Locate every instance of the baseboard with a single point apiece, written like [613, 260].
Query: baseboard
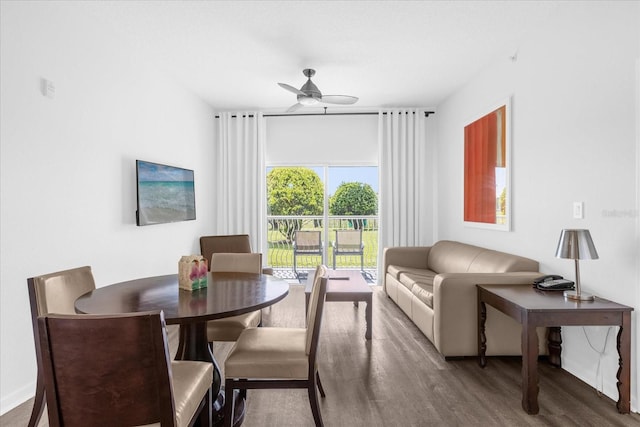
[586, 375]
[17, 398]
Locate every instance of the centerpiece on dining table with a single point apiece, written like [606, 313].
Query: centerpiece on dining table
[192, 272]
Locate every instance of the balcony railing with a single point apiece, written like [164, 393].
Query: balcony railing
[281, 231]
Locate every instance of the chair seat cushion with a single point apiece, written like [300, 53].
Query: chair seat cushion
[230, 328]
[191, 381]
[269, 353]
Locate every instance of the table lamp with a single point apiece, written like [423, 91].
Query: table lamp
[576, 245]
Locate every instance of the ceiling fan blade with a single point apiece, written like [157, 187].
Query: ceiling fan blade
[292, 89]
[294, 107]
[339, 99]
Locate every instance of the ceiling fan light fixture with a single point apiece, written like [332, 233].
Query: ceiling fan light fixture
[307, 100]
[309, 94]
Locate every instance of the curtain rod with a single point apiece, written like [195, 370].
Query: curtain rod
[367, 113]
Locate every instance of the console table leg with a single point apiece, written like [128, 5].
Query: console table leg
[529, 368]
[624, 368]
[482, 338]
[555, 346]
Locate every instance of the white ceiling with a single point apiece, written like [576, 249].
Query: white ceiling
[388, 53]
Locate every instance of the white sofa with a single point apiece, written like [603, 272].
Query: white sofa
[436, 287]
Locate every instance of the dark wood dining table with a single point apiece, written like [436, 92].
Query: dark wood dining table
[227, 294]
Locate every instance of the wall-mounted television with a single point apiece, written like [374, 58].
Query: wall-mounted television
[165, 194]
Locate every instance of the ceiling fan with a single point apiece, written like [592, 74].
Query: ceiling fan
[309, 94]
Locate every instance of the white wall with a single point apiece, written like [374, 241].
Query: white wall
[575, 121]
[68, 164]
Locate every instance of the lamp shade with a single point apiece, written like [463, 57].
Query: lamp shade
[576, 244]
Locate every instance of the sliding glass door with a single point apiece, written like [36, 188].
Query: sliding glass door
[316, 211]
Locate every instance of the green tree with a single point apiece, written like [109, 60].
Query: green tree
[354, 198]
[293, 191]
[502, 204]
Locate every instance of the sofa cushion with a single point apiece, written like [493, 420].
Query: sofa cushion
[489, 261]
[452, 257]
[424, 292]
[415, 275]
[395, 270]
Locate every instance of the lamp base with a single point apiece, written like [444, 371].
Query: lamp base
[573, 295]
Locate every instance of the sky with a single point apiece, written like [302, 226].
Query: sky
[339, 174]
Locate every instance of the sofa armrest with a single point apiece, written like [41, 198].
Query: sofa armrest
[407, 256]
[455, 305]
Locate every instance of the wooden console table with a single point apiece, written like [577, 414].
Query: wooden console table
[533, 308]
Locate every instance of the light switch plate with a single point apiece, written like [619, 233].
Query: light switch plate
[48, 88]
[578, 210]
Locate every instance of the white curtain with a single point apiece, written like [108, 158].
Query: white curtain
[240, 176]
[406, 180]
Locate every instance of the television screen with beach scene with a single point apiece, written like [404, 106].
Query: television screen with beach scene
[165, 194]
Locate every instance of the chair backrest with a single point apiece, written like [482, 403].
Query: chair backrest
[235, 243]
[56, 293]
[308, 240]
[349, 240]
[236, 262]
[107, 369]
[316, 308]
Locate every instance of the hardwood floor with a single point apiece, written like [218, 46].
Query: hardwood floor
[399, 379]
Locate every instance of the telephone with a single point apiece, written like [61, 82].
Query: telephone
[553, 282]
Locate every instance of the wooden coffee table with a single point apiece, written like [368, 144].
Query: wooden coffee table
[346, 285]
[533, 308]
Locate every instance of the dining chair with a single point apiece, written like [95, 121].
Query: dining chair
[306, 243]
[348, 242]
[106, 370]
[275, 358]
[229, 328]
[53, 293]
[232, 243]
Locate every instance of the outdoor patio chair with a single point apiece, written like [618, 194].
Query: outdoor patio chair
[348, 242]
[307, 243]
